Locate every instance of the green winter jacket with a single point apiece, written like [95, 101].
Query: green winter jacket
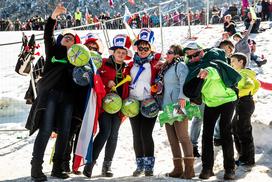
[214, 91]
[215, 58]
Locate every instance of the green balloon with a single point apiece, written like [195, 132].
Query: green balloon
[78, 55]
[112, 103]
[130, 107]
[96, 58]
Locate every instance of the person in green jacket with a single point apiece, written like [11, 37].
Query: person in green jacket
[241, 123]
[219, 96]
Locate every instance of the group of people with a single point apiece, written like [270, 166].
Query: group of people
[140, 20]
[34, 23]
[216, 79]
[243, 43]
[263, 9]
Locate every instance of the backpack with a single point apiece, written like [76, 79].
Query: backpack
[26, 56]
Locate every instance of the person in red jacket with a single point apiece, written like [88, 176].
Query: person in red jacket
[143, 73]
[145, 20]
[112, 71]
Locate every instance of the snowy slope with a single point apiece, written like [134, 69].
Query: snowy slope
[16, 147]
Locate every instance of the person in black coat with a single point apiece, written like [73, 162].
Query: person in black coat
[55, 105]
[265, 10]
[229, 25]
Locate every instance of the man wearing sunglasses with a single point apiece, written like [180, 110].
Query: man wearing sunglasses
[193, 52]
[53, 108]
[216, 83]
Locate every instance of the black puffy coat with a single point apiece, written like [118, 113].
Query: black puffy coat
[56, 76]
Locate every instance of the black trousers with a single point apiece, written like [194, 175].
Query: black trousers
[57, 117]
[211, 114]
[73, 138]
[142, 129]
[242, 129]
[78, 23]
[109, 125]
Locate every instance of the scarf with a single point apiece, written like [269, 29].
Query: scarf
[141, 61]
[165, 67]
[159, 80]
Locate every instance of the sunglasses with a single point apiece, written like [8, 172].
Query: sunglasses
[92, 48]
[146, 49]
[193, 55]
[170, 52]
[70, 38]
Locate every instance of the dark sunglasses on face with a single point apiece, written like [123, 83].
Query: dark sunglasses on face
[146, 49]
[170, 52]
[193, 55]
[70, 38]
[92, 48]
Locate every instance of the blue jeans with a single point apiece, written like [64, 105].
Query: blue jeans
[57, 117]
[196, 127]
[195, 130]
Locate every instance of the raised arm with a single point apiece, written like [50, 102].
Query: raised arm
[49, 39]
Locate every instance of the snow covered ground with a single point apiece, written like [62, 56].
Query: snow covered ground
[16, 147]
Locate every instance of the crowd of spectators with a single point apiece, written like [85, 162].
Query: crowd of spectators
[263, 10]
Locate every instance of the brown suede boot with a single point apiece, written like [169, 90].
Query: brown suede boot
[189, 171]
[177, 172]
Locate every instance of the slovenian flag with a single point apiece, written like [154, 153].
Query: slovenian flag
[127, 15]
[126, 18]
[88, 129]
[87, 16]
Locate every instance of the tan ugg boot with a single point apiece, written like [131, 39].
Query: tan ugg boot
[189, 171]
[177, 172]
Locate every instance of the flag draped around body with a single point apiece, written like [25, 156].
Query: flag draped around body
[86, 133]
[88, 129]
